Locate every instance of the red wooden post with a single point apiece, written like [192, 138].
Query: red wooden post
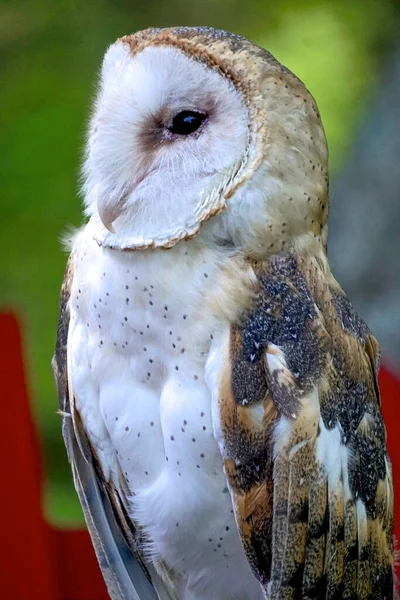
[390, 391]
[78, 572]
[26, 565]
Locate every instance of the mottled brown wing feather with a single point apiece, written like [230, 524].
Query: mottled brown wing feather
[298, 384]
[111, 530]
[59, 362]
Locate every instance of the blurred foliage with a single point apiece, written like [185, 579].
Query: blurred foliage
[50, 52]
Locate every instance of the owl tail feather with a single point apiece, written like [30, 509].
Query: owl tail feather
[125, 575]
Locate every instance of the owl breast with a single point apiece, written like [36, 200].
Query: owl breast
[137, 349]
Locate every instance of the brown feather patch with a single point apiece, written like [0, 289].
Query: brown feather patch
[299, 361]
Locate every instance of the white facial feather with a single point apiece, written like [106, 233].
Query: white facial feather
[150, 186]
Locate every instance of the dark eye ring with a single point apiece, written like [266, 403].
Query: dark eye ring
[187, 122]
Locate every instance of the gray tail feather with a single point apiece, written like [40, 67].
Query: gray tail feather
[124, 575]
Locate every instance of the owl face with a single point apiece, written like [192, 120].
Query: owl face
[167, 137]
[190, 121]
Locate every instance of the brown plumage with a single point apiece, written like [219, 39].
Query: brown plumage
[301, 356]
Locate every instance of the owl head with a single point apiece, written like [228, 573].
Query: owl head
[196, 130]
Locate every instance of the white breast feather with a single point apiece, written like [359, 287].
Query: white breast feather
[138, 354]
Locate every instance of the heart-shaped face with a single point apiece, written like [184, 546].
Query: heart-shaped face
[168, 137]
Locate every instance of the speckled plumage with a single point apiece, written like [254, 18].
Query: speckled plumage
[298, 512]
[220, 398]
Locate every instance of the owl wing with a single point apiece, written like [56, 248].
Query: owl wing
[104, 507]
[298, 419]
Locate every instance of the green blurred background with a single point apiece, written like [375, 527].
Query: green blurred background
[50, 53]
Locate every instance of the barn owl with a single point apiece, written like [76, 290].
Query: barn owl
[219, 393]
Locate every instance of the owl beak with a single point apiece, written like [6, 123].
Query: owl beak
[107, 216]
[110, 211]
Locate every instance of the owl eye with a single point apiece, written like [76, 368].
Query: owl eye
[187, 122]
